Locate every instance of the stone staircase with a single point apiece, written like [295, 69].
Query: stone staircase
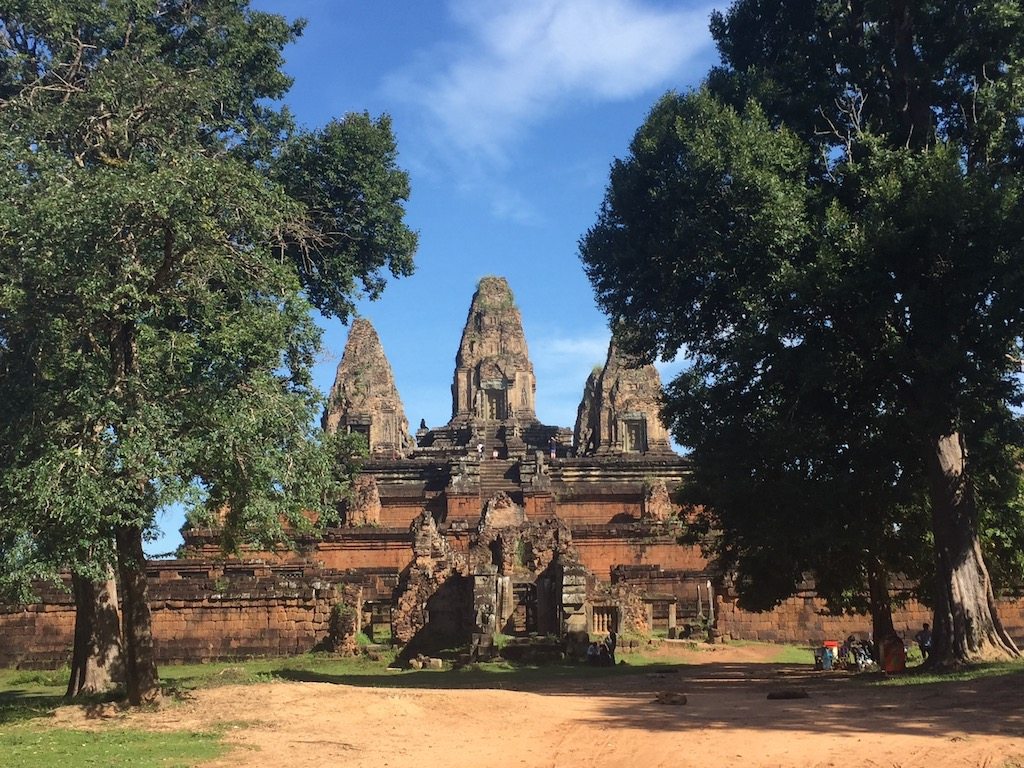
[501, 474]
[493, 440]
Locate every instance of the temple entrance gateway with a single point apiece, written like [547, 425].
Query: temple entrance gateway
[634, 436]
[523, 620]
[495, 404]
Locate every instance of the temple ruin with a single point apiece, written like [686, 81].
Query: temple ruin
[494, 523]
[490, 525]
[364, 399]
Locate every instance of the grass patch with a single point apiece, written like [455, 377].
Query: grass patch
[27, 695]
[794, 654]
[34, 747]
[963, 674]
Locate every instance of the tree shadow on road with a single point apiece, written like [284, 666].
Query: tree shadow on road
[736, 696]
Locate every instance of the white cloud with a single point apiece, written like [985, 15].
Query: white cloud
[556, 349]
[561, 364]
[522, 60]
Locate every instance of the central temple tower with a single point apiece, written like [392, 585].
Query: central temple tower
[494, 377]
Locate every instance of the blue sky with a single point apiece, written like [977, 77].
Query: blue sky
[508, 114]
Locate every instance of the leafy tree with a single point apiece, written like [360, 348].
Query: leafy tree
[843, 193]
[167, 231]
[784, 489]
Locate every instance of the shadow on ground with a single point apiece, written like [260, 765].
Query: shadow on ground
[734, 695]
[19, 704]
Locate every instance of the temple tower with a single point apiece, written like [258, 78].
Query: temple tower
[493, 374]
[620, 410]
[364, 398]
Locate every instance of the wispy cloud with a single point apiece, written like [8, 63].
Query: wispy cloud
[561, 364]
[523, 60]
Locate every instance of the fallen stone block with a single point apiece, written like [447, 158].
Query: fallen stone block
[788, 693]
[670, 697]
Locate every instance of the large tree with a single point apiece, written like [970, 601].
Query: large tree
[166, 232]
[845, 189]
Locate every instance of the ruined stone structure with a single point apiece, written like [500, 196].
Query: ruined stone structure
[620, 410]
[493, 523]
[493, 373]
[364, 398]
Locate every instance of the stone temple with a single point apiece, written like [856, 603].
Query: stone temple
[493, 524]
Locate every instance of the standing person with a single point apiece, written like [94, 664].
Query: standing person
[480, 450]
[924, 641]
[554, 447]
[611, 641]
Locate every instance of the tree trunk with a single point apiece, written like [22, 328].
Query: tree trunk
[141, 681]
[96, 662]
[966, 627]
[881, 604]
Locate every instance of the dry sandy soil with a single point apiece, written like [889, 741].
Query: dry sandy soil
[727, 721]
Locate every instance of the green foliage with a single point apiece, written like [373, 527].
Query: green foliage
[167, 231]
[829, 229]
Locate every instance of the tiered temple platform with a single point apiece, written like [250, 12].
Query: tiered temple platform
[492, 523]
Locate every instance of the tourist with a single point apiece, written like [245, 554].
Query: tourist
[924, 641]
[611, 641]
[554, 447]
[480, 450]
[604, 657]
[592, 653]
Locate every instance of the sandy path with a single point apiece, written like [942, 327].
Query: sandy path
[614, 722]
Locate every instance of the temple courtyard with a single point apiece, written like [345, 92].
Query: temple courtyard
[597, 717]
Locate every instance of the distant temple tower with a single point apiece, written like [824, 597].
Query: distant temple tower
[620, 410]
[493, 374]
[364, 398]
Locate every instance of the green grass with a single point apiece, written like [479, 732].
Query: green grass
[28, 699]
[794, 654]
[26, 695]
[364, 672]
[32, 746]
[183, 677]
[963, 674]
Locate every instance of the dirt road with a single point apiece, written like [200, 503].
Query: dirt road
[727, 721]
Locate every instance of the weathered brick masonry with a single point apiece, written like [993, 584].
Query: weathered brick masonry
[802, 619]
[201, 611]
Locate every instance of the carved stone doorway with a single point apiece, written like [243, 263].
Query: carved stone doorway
[523, 620]
[634, 438]
[495, 404]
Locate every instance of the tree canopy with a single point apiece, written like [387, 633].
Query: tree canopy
[829, 227]
[168, 229]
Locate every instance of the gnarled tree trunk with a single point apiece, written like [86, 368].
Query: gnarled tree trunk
[966, 626]
[881, 604]
[141, 681]
[96, 661]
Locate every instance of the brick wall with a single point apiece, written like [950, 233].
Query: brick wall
[801, 619]
[603, 547]
[200, 612]
[40, 635]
